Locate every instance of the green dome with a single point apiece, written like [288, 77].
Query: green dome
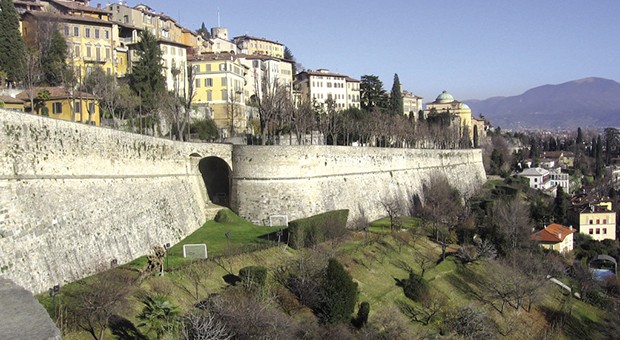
[465, 107]
[444, 97]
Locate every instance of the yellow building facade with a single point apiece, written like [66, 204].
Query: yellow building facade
[254, 45]
[56, 102]
[598, 221]
[445, 103]
[218, 85]
[90, 42]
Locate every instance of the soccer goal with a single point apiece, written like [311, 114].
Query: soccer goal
[195, 251]
[278, 221]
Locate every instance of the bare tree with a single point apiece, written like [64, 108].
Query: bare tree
[98, 298]
[202, 325]
[512, 218]
[33, 74]
[394, 208]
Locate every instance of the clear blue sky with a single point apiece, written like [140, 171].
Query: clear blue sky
[474, 49]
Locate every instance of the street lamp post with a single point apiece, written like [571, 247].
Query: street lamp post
[166, 247]
[53, 292]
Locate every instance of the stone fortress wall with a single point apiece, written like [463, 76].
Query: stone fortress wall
[301, 182]
[74, 197]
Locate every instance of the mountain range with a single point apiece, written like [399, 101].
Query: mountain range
[589, 102]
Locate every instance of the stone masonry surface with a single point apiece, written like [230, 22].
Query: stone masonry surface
[74, 197]
[303, 181]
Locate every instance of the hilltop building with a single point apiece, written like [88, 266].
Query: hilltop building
[171, 38]
[446, 104]
[90, 36]
[219, 90]
[322, 85]
[412, 105]
[261, 46]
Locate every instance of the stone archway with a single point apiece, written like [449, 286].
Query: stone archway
[216, 176]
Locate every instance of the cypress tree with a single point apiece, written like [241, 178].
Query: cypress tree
[340, 292]
[12, 47]
[396, 97]
[146, 78]
[53, 60]
[560, 207]
[600, 165]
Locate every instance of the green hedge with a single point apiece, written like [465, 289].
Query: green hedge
[309, 231]
[253, 276]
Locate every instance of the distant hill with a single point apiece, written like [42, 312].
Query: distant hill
[589, 102]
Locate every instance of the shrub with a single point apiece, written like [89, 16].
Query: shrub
[227, 216]
[415, 287]
[309, 231]
[340, 294]
[362, 315]
[253, 277]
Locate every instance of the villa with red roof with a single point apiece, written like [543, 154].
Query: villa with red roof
[555, 237]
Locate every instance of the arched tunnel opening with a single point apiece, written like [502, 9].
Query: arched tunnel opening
[216, 175]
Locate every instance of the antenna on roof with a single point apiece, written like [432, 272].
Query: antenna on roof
[218, 17]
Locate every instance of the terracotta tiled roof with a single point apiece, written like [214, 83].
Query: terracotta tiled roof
[69, 18]
[79, 7]
[57, 92]
[247, 37]
[11, 100]
[553, 233]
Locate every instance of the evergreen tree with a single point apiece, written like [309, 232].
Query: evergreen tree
[579, 137]
[288, 55]
[53, 59]
[12, 47]
[146, 78]
[204, 32]
[560, 207]
[600, 165]
[476, 136]
[340, 293]
[372, 94]
[396, 97]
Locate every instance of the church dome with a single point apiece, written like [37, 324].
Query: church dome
[465, 107]
[444, 97]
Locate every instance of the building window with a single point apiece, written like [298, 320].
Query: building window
[87, 32]
[209, 82]
[76, 31]
[224, 81]
[91, 107]
[598, 231]
[76, 50]
[598, 221]
[604, 231]
[224, 95]
[67, 30]
[96, 33]
[590, 222]
[88, 52]
[77, 105]
[209, 95]
[197, 83]
[604, 221]
[106, 34]
[57, 108]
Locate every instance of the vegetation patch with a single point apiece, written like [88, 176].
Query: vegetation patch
[309, 231]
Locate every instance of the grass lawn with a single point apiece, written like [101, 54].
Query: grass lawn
[244, 236]
[383, 225]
